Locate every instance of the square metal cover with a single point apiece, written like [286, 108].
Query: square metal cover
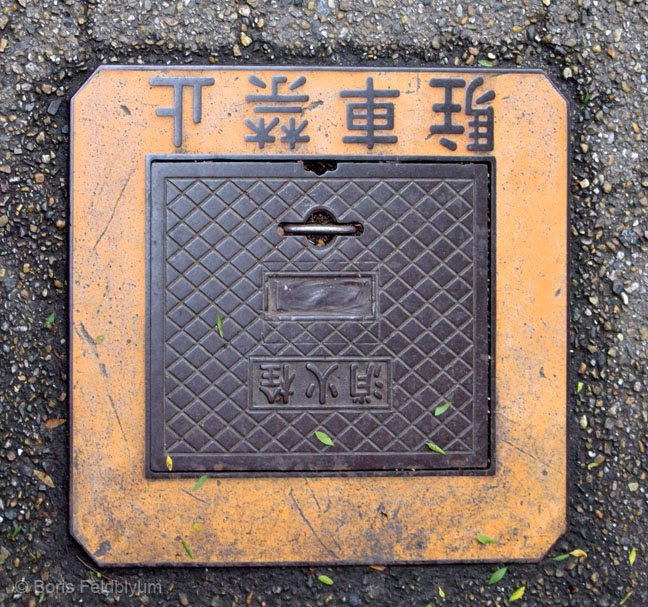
[260, 335]
[447, 281]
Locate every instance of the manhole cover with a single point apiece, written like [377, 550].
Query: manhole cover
[279, 277]
[282, 302]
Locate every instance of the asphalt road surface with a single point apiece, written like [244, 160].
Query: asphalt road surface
[593, 49]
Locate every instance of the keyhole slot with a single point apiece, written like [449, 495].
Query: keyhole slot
[320, 228]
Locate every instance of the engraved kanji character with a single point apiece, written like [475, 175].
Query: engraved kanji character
[276, 382]
[370, 116]
[366, 385]
[447, 108]
[323, 382]
[261, 131]
[179, 83]
[482, 123]
[277, 103]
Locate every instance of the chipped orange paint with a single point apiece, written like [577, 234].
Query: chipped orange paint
[121, 517]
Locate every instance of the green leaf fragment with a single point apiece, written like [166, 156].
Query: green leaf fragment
[324, 438]
[42, 597]
[485, 63]
[579, 386]
[50, 320]
[441, 409]
[497, 576]
[16, 531]
[598, 460]
[325, 579]
[625, 598]
[219, 324]
[484, 539]
[561, 557]
[99, 338]
[434, 447]
[195, 527]
[187, 549]
[200, 482]
[517, 594]
[586, 97]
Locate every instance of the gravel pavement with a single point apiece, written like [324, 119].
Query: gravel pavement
[596, 52]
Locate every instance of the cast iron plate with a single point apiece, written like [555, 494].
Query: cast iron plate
[361, 338]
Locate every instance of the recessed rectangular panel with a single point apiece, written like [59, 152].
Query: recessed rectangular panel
[259, 339]
[328, 296]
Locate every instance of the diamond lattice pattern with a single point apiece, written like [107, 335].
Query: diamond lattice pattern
[221, 236]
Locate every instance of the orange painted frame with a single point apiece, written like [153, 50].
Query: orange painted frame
[123, 518]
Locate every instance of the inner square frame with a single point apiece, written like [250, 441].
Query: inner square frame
[292, 520]
[479, 460]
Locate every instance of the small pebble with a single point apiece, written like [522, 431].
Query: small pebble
[53, 107]
[4, 555]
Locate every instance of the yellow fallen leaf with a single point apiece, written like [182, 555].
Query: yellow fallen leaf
[46, 479]
[578, 553]
[632, 556]
[169, 463]
[377, 567]
[441, 593]
[517, 594]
